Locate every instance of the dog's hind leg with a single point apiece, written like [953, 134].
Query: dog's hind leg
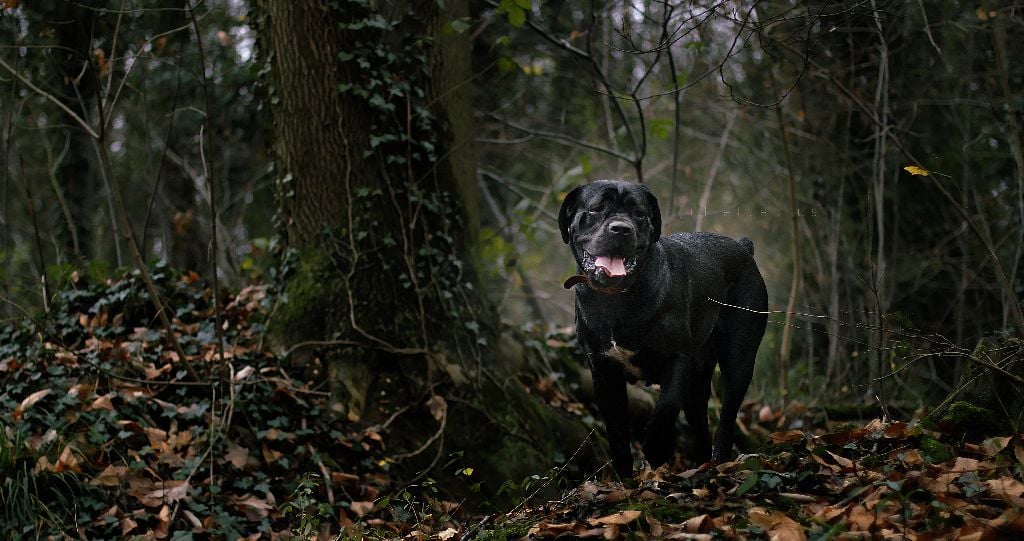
[734, 386]
[737, 336]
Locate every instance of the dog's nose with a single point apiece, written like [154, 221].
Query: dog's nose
[619, 227]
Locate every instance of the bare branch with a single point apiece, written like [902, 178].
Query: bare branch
[78, 120]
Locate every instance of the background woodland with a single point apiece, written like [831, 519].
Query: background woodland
[356, 202]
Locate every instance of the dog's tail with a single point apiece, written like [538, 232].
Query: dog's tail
[748, 244]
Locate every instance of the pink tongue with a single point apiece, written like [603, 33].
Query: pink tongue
[614, 266]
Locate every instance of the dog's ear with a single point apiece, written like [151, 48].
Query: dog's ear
[567, 211]
[652, 203]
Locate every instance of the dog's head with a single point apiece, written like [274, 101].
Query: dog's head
[610, 225]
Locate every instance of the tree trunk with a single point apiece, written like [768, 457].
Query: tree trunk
[377, 204]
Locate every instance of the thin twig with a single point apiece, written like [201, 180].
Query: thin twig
[78, 120]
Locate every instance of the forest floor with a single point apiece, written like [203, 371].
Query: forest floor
[104, 433]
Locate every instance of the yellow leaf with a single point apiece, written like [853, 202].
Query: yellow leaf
[916, 170]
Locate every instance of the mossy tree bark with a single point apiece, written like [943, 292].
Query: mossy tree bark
[374, 145]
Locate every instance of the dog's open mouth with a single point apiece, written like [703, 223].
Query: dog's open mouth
[612, 266]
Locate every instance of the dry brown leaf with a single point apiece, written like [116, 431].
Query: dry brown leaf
[1006, 486]
[620, 518]
[67, 461]
[876, 425]
[778, 525]
[156, 437]
[361, 508]
[29, 401]
[438, 406]
[110, 477]
[166, 492]
[270, 456]
[841, 460]
[345, 479]
[697, 524]
[551, 529]
[961, 466]
[237, 455]
[860, 518]
[656, 529]
[254, 508]
[243, 373]
[163, 522]
[912, 457]
[992, 446]
[788, 436]
[897, 429]
[618, 496]
[845, 437]
[192, 519]
[127, 525]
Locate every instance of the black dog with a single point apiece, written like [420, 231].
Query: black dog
[643, 312]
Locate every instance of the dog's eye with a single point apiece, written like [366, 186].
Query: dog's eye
[595, 210]
[638, 214]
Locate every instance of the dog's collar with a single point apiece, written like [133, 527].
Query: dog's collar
[583, 279]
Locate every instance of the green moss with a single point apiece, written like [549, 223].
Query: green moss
[970, 420]
[934, 451]
[506, 531]
[661, 509]
[309, 309]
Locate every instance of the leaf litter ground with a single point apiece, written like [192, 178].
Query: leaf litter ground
[104, 437]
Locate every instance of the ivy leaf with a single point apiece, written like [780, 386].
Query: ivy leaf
[516, 16]
[459, 26]
[748, 484]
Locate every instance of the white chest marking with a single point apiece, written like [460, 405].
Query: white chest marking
[624, 356]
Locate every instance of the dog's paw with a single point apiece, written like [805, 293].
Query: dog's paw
[659, 450]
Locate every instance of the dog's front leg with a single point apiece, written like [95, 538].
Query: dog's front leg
[610, 393]
[660, 440]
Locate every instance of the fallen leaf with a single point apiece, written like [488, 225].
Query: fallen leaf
[620, 518]
[438, 407]
[361, 508]
[243, 373]
[916, 170]
[110, 477]
[447, 534]
[237, 455]
[788, 436]
[1006, 486]
[254, 508]
[778, 525]
[67, 461]
[29, 401]
[127, 525]
[992, 446]
[697, 524]
[168, 492]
